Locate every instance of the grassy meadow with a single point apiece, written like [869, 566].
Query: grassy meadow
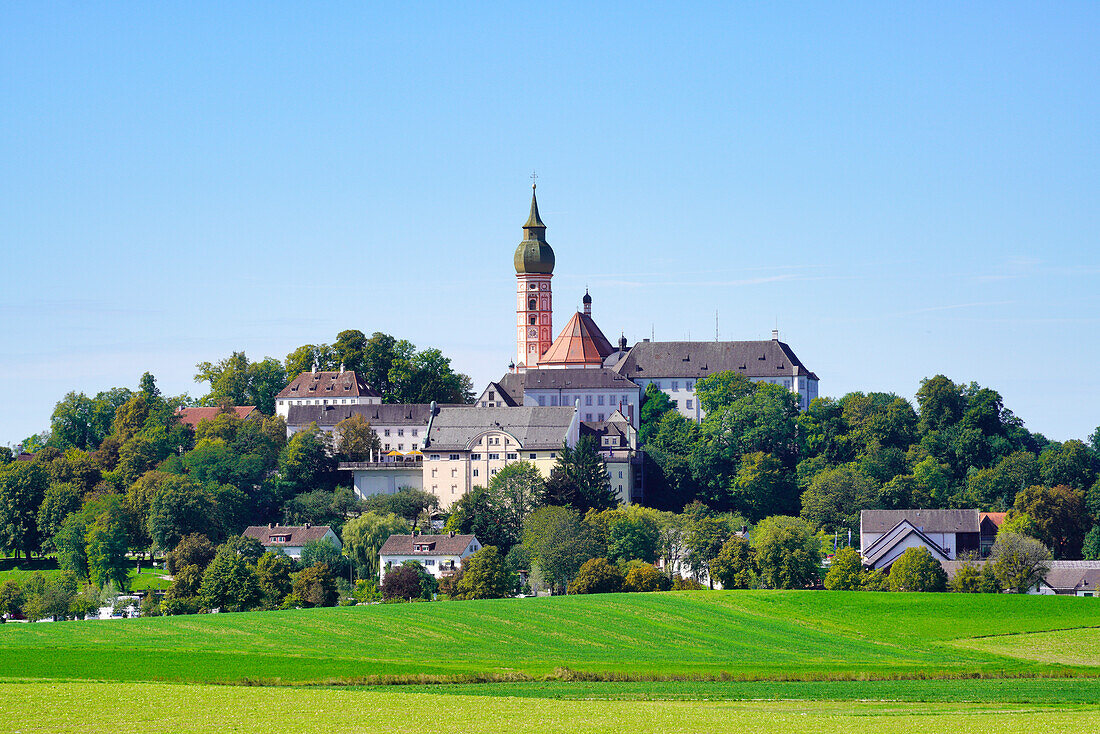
[736, 635]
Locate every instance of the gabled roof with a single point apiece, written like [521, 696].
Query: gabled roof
[333, 384]
[881, 547]
[441, 545]
[508, 389]
[299, 534]
[1069, 576]
[929, 521]
[193, 416]
[382, 414]
[580, 343]
[994, 517]
[771, 358]
[535, 427]
[558, 379]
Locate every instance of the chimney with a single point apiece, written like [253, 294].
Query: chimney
[271, 526]
[341, 368]
[308, 526]
[452, 533]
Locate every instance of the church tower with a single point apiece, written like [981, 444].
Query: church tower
[534, 263]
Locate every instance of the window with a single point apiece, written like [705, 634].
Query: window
[534, 320]
[433, 457]
[588, 416]
[416, 446]
[530, 456]
[599, 400]
[453, 457]
[657, 383]
[675, 386]
[475, 472]
[512, 456]
[542, 400]
[534, 286]
[387, 432]
[454, 488]
[475, 457]
[687, 404]
[786, 383]
[587, 399]
[324, 402]
[620, 477]
[554, 400]
[492, 396]
[553, 454]
[494, 457]
[532, 304]
[433, 472]
[600, 417]
[675, 403]
[625, 400]
[400, 447]
[435, 489]
[454, 473]
[429, 561]
[400, 431]
[492, 472]
[386, 447]
[689, 385]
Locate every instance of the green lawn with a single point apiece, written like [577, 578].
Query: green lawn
[57, 707]
[1070, 647]
[149, 578]
[741, 635]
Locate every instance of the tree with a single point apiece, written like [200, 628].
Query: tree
[655, 404]
[644, 578]
[1059, 517]
[315, 586]
[22, 488]
[426, 376]
[558, 543]
[485, 575]
[238, 381]
[634, 535]
[356, 440]
[322, 550]
[787, 552]
[735, 566]
[194, 549]
[107, 543]
[324, 507]
[273, 572]
[722, 389]
[836, 497]
[970, 578]
[1072, 464]
[58, 501]
[846, 571]
[1091, 548]
[349, 350]
[704, 542]
[307, 462]
[1020, 562]
[762, 420]
[941, 403]
[310, 356]
[364, 536]
[597, 576]
[182, 596]
[762, 486]
[917, 570]
[230, 582]
[579, 478]
[180, 507]
[72, 544]
[49, 598]
[668, 469]
[407, 502]
[72, 423]
[11, 598]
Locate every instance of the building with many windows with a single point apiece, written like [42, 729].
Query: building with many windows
[342, 387]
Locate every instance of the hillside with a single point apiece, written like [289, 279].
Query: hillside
[754, 635]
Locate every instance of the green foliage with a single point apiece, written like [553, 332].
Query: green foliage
[23, 486]
[1091, 548]
[404, 583]
[237, 381]
[1019, 561]
[917, 570]
[194, 549]
[364, 536]
[836, 497]
[705, 537]
[485, 575]
[655, 405]
[178, 507]
[1072, 464]
[941, 403]
[645, 578]
[762, 486]
[315, 586]
[597, 576]
[307, 463]
[322, 550]
[972, 578]
[273, 571]
[414, 505]
[633, 534]
[59, 500]
[11, 598]
[846, 572]
[722, 389]
[495, 514]
[579, 478]
[787, 552]
[106, 551]
[735, 565]
[1058, 517]
[230, 582]
[324, 507]
[356, 440]
[558, 542]
[668, 455]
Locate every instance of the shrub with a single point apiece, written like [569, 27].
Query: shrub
[679, 583]
[917, 570]
[1019, 561]
[597, 576]
[646, 578]
[846, 572]
[874, 580]
[401, 582]
[315, 586]
[787, 552]
[484, 576]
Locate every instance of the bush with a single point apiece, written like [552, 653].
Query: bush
[846, 572]
[917, 570]
[874, 580]
[484, 576]
[646, 578]
[597, 576]
[150, 605]
[315, 586]
[402, 583]
[787, 552]
[1020, 562]
[679, 583]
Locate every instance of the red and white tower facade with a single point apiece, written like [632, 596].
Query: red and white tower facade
[534, 301]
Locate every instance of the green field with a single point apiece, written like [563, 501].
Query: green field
[148, 578]
[732, 635]
[96, 707]
[1073, 647]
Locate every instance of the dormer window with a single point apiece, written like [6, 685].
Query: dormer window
[279, 538]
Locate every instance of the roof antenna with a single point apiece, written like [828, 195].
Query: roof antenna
[652, 338]
[715, 325]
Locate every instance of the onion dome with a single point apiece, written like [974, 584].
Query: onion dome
[534, 254]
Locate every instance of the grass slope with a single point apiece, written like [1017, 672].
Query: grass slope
[57, 707]
[1070, 647]
[755, 635]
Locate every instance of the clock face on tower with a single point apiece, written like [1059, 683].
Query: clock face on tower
[532, 333]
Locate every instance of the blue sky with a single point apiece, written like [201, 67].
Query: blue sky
[905, 190]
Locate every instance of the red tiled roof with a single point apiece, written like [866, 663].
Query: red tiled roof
[580, 343]
[439, 545]
[193, 416]
[994, 517]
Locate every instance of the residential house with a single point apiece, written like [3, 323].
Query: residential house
[193, 416]
[438, 554]
[886, 534]
[617, 442]
[343, 387]
[291, 538]
[599, 392]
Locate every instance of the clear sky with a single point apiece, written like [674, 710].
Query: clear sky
[905, 189]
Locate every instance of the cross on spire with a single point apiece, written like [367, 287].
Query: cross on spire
[533, 177]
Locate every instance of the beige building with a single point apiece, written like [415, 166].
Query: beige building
[466, 446]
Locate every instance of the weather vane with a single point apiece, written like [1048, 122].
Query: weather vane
[533, 177]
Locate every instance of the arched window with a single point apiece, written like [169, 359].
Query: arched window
[532, 305]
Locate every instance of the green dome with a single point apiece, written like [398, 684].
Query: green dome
[534, 254]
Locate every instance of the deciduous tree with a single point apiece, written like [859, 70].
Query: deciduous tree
[917, 570]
